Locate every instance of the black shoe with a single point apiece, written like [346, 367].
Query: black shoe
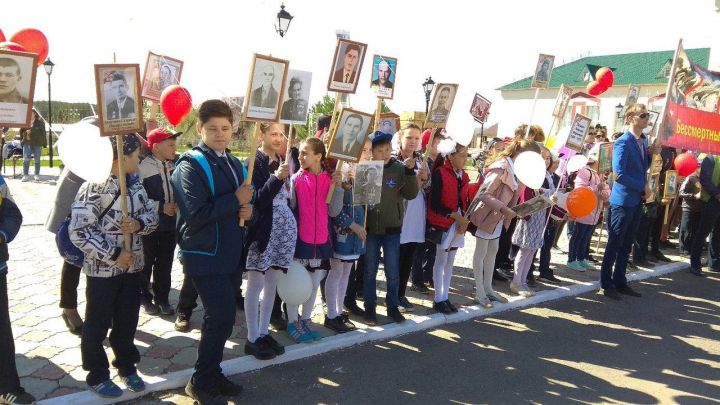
[698, 273]
[593, 260]
[348, 323]
[405, 305]
[335, 324]
[276, 347]
[714, 270]
[18, 397]
[395, 315]
[507, 273]
[628, 291]
[149, 307]
[182, 322]
[531, 281]
[422, 289]
[278, 323]
[166, 309]
[450, 305]
[668, 245]
[612, 294]
[370, 316]
[661, 257]
[260, 349]
[227, 388]
[204, 397]
[74, 329]
[550, 279]
[442, 308]
[499, 277]
[354, 308]
[642, 263]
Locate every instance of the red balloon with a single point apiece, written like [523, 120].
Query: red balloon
[605, 77]
[12, 46]
[2, 37]
[175, 103]
[594, 88]
[34, 41]
[581, 202]
[686, 164]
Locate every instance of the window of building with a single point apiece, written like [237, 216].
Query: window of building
[665, 71]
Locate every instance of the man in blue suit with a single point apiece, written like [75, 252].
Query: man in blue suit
[631, 159]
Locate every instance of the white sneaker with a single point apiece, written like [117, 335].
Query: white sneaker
[37, 177]
[25, 178]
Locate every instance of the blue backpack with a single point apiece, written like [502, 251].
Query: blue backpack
[68, 251]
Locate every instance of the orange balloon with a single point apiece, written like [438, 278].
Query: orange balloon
[581, 202]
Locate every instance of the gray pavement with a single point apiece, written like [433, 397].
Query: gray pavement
[661, 348]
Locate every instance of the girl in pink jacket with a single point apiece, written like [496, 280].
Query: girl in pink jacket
[579, 241]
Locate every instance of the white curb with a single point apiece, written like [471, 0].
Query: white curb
[244, 364]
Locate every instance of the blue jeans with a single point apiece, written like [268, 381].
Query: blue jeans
[35, 151]
[622, 226]
[391, 258]
[579, 242]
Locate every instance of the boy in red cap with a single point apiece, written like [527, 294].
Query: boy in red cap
[159, 246]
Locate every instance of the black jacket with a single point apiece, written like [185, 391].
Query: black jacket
[10, 222]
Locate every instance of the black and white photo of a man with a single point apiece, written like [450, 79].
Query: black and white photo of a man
[123, 106]
[265, 96]
[10, 75]
[346, 141]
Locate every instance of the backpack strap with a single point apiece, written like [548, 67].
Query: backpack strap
[203, 162]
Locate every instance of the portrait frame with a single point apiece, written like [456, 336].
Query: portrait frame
[109, 125]
[152, 90]
[19, 115]
[336, 152]
[652, 123]
[670, 190]
[562, 101]
[255, 108]
[540, 74]
[385, 117]
[388, 92]
[578, 130]
[652, 181]
[629, 99]
[337, 85]
[305, 78]
[365, 193]
[480, 108]
[438, 119]
[605, 157]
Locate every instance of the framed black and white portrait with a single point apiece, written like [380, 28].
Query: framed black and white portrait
[441, 104]
[348, 136]
[346, 66]
[297, 98]
[265, 88]
[368, 182]
[118, 98]
[160, 72]
[17, 85]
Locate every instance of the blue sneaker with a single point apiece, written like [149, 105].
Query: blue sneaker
[107, 389]
[297, 332]
[587, 265]
[576, 266]
[134, 383]
[307, 325]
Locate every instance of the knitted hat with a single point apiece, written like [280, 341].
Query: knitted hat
[129, 144]
[377, 137]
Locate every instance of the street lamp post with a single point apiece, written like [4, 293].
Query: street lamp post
[618, 115]
[48, 65]
[284, 18]
[427, 88]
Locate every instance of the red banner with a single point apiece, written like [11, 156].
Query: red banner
[691, 119]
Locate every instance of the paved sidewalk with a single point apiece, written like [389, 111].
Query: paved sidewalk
[48, 356]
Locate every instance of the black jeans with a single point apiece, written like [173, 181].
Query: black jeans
[408, 253]
[355, 281]
[709, 222]
[422, 271]
[657, 229]
[546, 250]
[688, 226]
[116, 301]
[158, 249]
[189, 295]
[642, 238]
[69, 281]
[217, 293]
[502, 258]
[9, 380]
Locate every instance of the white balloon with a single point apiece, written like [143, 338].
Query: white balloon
[85, 152]
[530, 169]
[576, 163]
[295, 286]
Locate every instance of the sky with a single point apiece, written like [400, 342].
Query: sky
[481, 45]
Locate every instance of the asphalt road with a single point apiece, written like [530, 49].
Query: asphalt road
[661, 348]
